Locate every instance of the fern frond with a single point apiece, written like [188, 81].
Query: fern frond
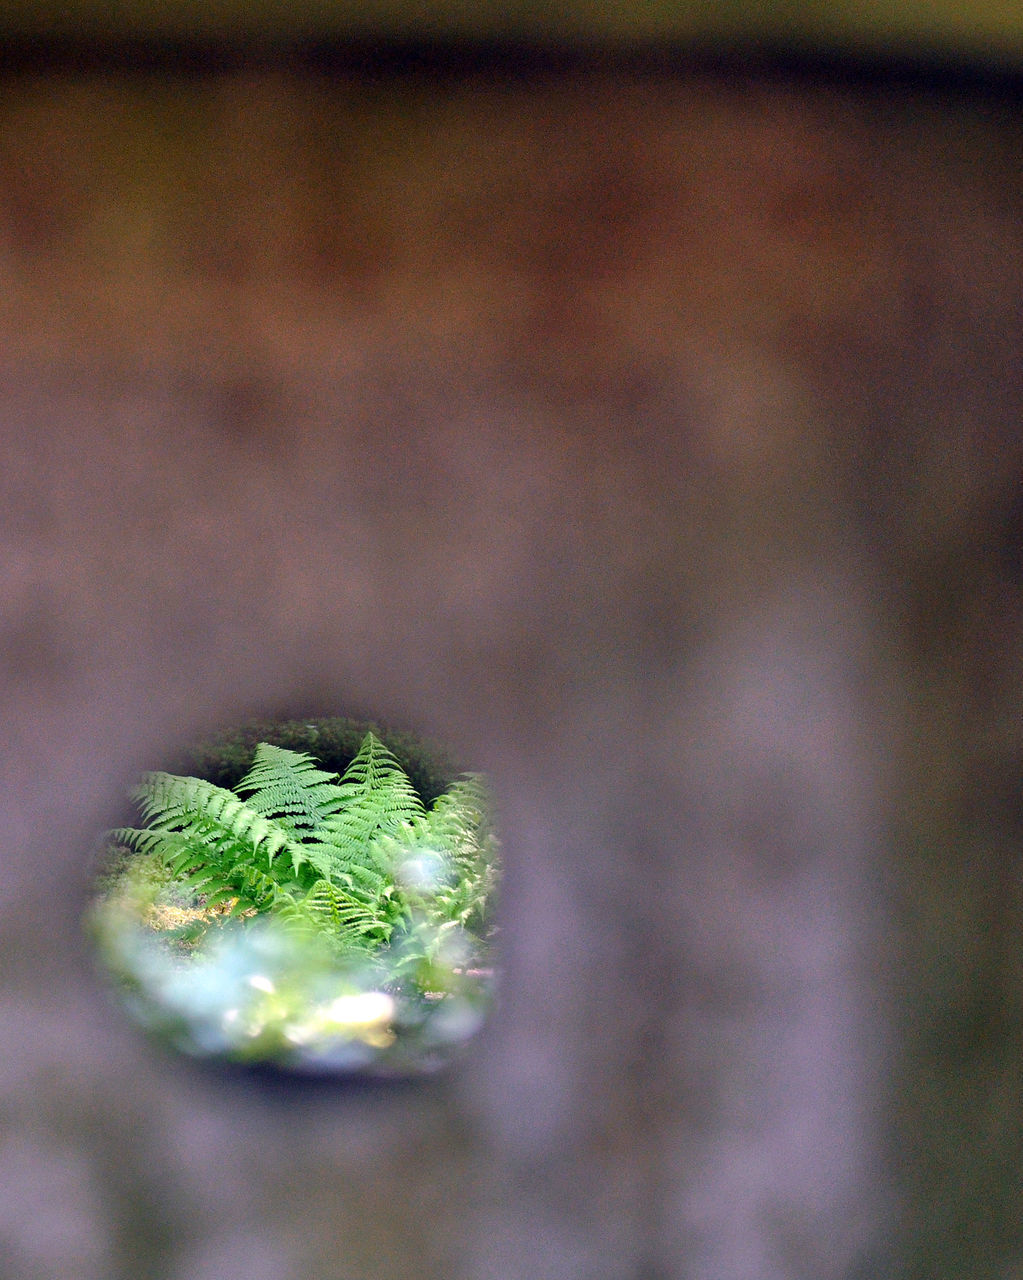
[195, 807]
[288, 786]
[350, 923]
[376, 796]
[454, 855]
[347, 914]
[461, 818]
[213, 841]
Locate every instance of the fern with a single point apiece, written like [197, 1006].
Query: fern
[327, 854]
[287, 785]
[449, 858]
[213, 841]
[354, 923]
[376, 797]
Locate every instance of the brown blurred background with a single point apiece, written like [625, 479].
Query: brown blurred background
[630, 400]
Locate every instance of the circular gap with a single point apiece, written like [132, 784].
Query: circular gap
[310, 896]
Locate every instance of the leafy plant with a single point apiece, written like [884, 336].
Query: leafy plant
[358, 860]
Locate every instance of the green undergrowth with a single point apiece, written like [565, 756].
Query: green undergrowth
[301, 913]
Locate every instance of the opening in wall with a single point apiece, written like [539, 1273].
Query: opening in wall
[312, 896]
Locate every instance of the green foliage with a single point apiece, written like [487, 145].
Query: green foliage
[358, 860]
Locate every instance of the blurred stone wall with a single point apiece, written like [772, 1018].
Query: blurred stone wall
[988, 30]
[655, 443]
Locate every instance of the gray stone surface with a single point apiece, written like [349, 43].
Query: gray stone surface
[654, 444]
